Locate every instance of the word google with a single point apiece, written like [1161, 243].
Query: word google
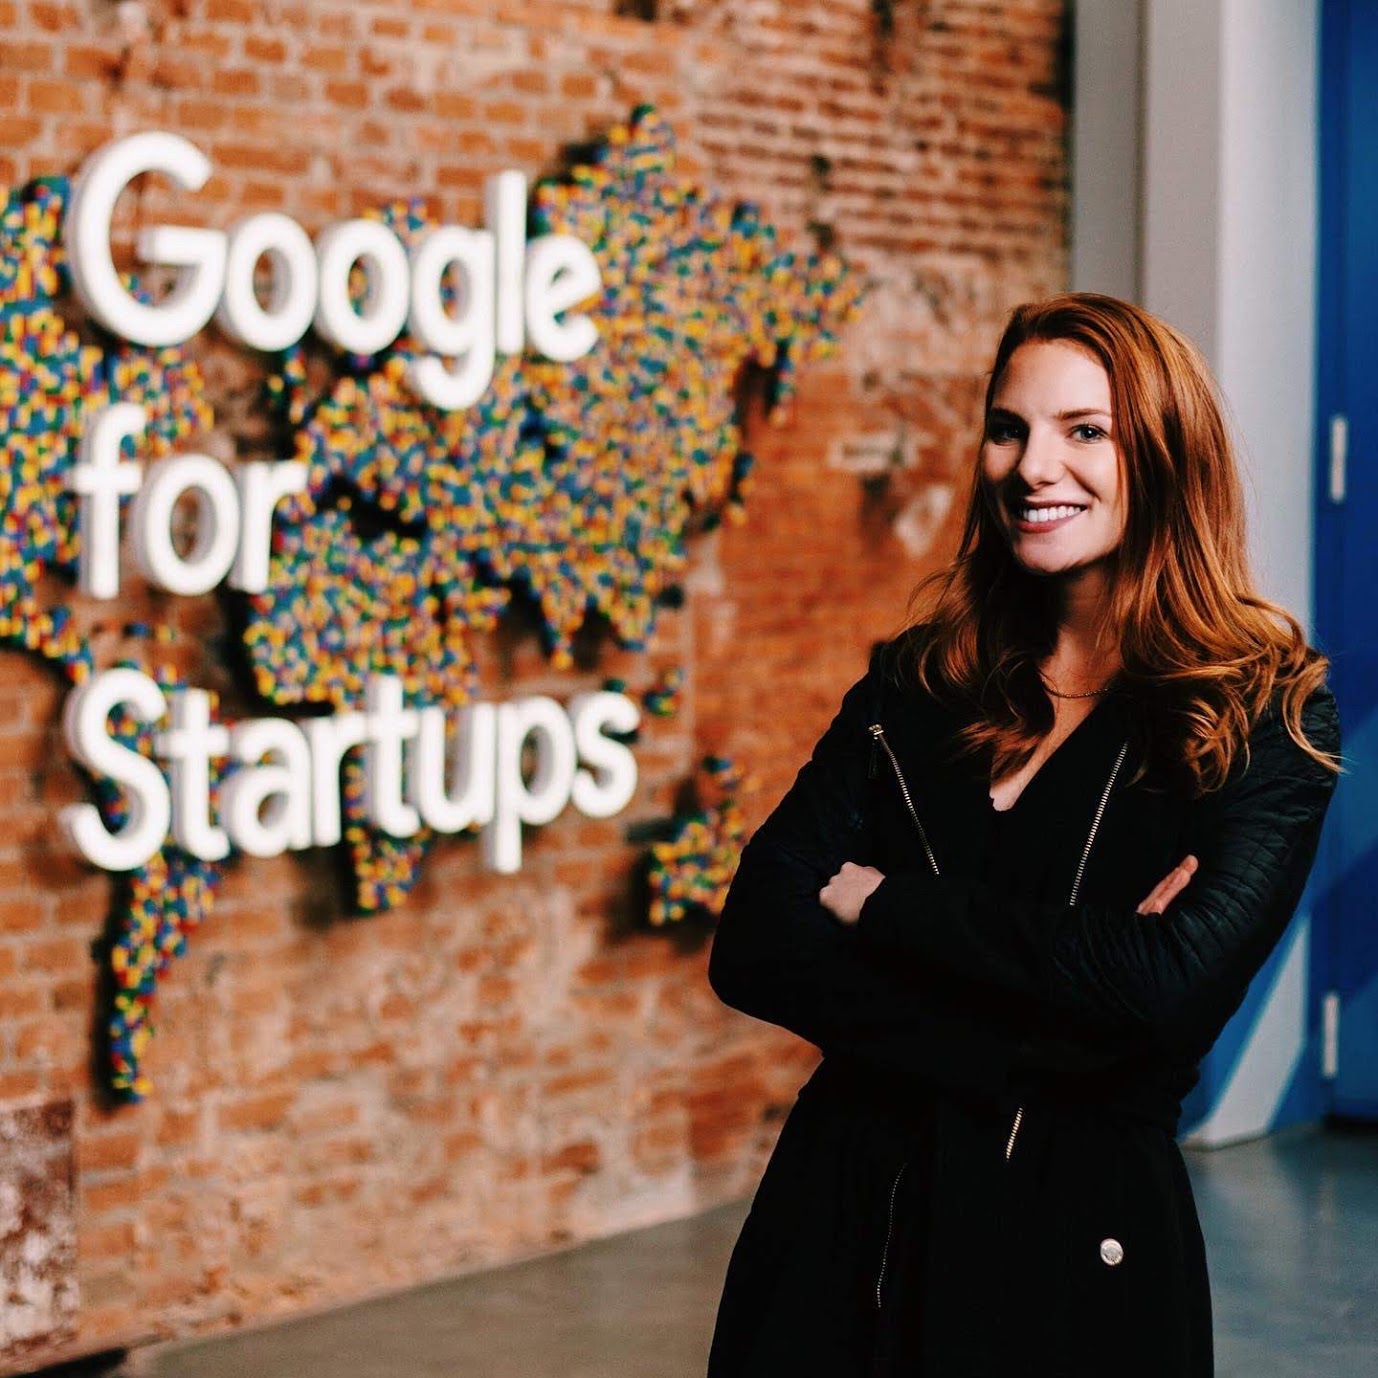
[512, 290]
[282, 788]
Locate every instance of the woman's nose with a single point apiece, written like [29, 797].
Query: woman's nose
[1039, 461]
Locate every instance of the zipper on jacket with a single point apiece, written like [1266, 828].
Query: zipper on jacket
[878, 735]
[889, 1231]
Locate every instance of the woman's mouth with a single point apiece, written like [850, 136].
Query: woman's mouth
[1045, 518]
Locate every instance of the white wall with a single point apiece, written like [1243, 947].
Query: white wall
[1229, 239]
[1107, 137]
[1267, 340]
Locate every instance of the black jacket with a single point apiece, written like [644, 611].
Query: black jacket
[981, 1177]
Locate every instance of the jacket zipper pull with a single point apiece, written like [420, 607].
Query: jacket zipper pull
[1014, 1132]
[875, 730]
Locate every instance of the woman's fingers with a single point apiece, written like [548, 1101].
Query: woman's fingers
[1169, 887]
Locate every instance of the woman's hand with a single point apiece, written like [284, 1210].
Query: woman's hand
[1169, 887]
[846, 892]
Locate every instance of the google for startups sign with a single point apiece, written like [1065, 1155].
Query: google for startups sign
[285, 793]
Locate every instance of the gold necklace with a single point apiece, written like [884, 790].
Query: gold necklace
[1087, 694]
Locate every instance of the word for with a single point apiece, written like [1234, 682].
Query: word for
[283, 792]
[510, 291]
[234, 512]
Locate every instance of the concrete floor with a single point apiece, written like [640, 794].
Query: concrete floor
[1291, 1226]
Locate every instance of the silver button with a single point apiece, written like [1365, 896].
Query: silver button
[1111, 1252]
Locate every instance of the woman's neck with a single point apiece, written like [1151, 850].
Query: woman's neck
[1084, 653]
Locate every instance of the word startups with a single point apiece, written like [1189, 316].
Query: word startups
[492, 766]
[283, 790]
[514, 292]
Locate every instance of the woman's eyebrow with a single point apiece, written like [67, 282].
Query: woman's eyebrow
[1073, 414]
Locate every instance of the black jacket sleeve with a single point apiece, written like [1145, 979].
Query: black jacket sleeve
[1158, 983]
[781, 956]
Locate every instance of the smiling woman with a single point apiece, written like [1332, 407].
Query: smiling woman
[1012, 996]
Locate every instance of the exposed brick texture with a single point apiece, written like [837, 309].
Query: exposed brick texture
[505, 1065]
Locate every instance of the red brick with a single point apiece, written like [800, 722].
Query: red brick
[582, 1157]
[18, 132]
[250, 1112]
[101, 1243]
[119, 1149]
[86, 63]
[236, 82]
[405, 99]
[579, 85]
[261, 48]
[55, 956]
[260, 157]
[23, 915]
[452, 105]
[50, 17]
[505, 112]
[28, 57]
[330, 59]
[23, 998]
[55, 98]
[357, 95]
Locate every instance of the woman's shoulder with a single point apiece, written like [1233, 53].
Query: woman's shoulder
[896, 658]
[1273, 734]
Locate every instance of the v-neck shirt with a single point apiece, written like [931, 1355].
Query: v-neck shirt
[1048, 761]
[1028, 847]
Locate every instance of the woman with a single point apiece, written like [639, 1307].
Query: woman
[1018, 890]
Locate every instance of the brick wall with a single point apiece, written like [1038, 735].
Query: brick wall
[504, 1065]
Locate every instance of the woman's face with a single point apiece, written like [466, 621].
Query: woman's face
[1049, 459]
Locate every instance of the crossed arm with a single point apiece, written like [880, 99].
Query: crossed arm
[921, 984]
[1166, 976]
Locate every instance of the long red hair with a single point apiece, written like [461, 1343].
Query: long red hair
[1202, 652]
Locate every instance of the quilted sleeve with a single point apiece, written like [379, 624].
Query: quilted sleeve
[1162, 983]
[780, 956]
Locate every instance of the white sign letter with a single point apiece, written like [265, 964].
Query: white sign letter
[518, 801]
[261, 488]
[378, 322]
[86, 233]
[266, 805]
[86, 725]
[561, 271]
[389, 725]
[466, 336]
[189, 745]
[454, 789]
[592, 715]
[217, 524]
[292, 301]
[102, 478]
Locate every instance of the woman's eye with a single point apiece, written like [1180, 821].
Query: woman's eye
[1086, 431]
[1002, 432]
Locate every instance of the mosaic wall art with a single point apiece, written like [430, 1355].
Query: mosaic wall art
[569, 486]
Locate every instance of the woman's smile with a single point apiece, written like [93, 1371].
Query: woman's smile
[1037, 518]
